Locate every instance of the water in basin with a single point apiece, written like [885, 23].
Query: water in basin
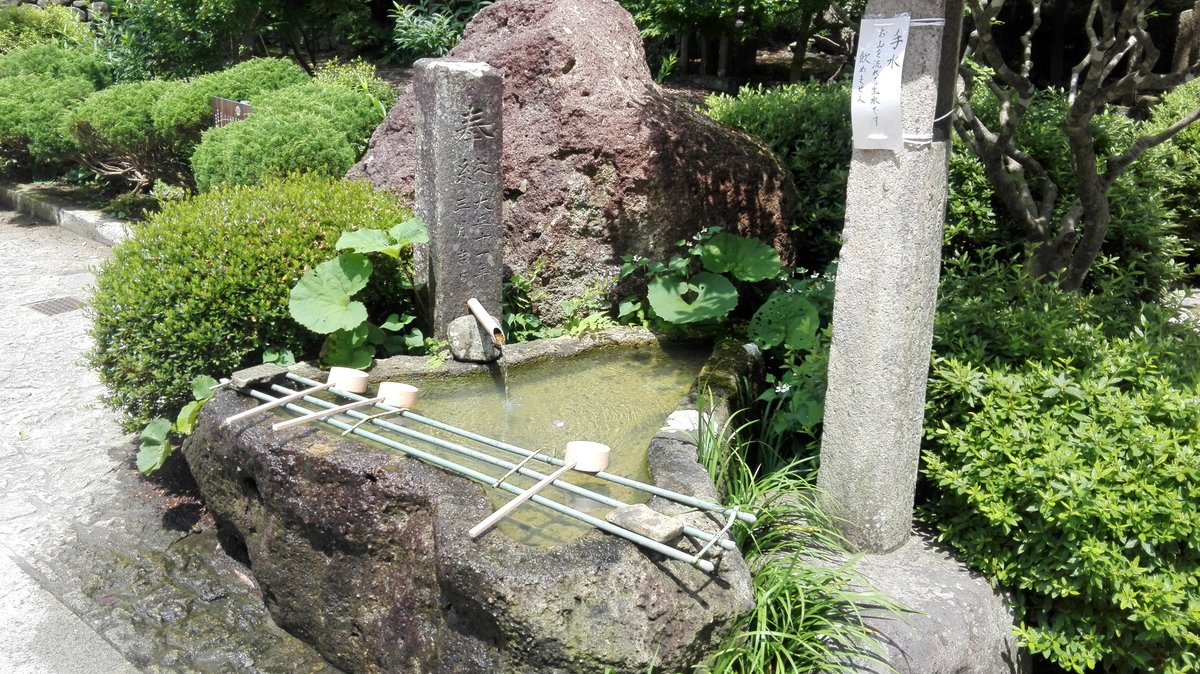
[619, 397]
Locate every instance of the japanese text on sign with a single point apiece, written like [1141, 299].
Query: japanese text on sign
[875, 99]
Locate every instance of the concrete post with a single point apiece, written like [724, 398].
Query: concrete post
[458, 130]
[884, 304]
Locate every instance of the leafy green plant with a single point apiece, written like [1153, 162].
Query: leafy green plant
[203, 285]
[185, 112]
[788, 317]
[56, 62]
[25, 26]
[145, 39]
[1060, 451]
[666, 68]
[117, 139]
[792, 329]
[586, 314]
[155, 438]
[808, 614]
[430, 28]
[691, 287]
[322, 300]
[807, 126]
[521, 323]
[33, 124]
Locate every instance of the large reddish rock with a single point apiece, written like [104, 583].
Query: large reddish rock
[598, 161]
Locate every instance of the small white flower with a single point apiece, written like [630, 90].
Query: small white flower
[783, 388]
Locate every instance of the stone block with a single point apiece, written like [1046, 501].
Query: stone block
[469, 342]
[956, 621]
[641, 519]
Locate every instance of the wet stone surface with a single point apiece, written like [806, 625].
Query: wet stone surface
[130, 570]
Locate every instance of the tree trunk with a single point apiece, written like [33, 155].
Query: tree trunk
[800, 47]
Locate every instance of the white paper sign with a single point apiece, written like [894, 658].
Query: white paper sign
[875, 100]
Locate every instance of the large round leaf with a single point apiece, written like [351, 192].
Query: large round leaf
[412, 230]
[365, 240]
[321, 300]
[703, 297]
[787, 318]
[747, 259]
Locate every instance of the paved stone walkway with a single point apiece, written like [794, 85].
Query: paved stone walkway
[101, 570]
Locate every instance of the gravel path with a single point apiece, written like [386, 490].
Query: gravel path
[100, 569]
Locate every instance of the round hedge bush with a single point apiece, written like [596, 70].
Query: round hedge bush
[354, 111]
[316, 126]
[33, 109]
[185, 112]
[270, 144]
[114, 132]
[202, 287]
[55, 62]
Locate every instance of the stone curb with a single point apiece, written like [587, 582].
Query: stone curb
[90, 224]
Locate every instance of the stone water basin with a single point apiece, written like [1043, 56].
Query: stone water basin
[364, 554]
[619, 397]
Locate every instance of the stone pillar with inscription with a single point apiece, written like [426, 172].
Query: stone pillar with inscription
[887, 275]
[458, 129]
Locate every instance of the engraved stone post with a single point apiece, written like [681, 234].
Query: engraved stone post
[884, 303]
[458, 129]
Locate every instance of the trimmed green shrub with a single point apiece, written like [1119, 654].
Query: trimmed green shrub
[27, 25]
[1180, 161]
[1062, 455]
[315, 126]
[33, 111]
[354, 111]
[53, 61]
[268, 145]
[186, 112]
[807, 125]
[202, 287]
[117, 138]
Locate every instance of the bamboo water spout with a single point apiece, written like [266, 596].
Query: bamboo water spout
[486, 321]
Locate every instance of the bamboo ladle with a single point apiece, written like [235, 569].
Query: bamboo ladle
[582, 455]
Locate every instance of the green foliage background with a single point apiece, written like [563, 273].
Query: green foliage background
[25, 26]
[807, 126]
[1060, 453]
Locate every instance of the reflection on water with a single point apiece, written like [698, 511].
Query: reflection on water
[618, 397]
